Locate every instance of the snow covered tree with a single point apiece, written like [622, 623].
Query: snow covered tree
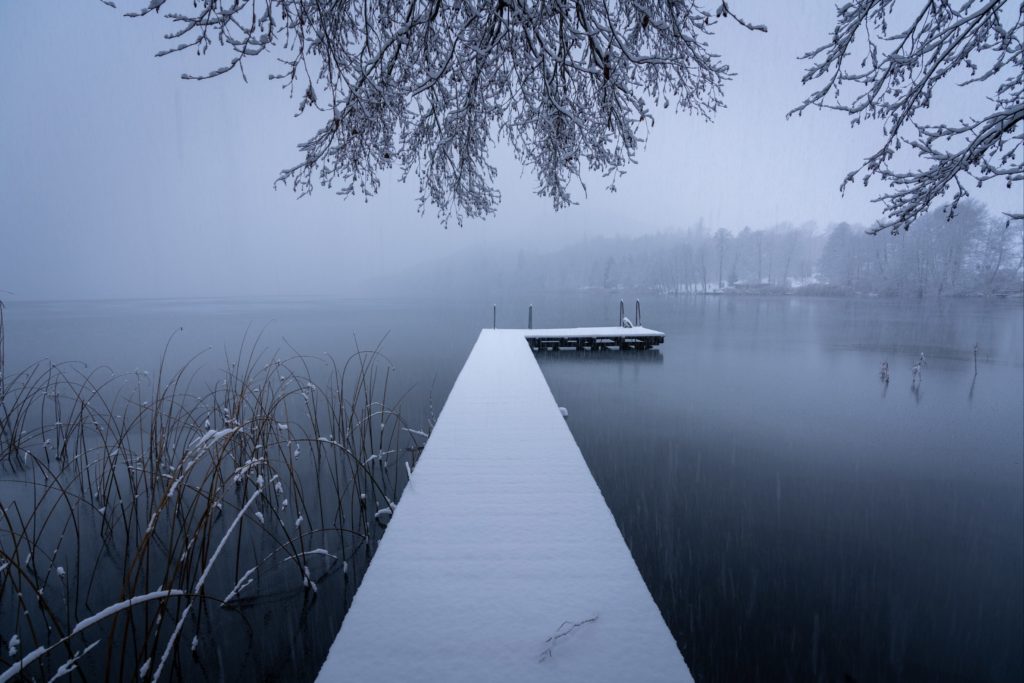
[427, 86]
[722, 238]
[878, 67]
[998, 270]
[972, 254]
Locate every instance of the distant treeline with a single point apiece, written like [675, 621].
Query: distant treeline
[974, 253]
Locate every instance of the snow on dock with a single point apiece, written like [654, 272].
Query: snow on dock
[502, 561]
[593, 338]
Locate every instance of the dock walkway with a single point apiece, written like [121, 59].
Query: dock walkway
[502, 561]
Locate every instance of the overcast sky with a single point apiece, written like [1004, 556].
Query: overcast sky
[118, 179]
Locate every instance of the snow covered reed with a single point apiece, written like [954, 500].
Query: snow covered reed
[142, 519]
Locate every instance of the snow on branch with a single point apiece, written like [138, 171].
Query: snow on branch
[894, 76]
[428, 87]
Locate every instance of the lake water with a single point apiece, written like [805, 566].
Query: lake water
[794, 517]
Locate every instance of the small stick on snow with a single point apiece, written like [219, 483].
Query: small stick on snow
[559, 633]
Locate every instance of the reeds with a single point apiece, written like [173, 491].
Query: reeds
[140, 517]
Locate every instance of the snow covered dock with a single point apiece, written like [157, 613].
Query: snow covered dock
[502, 561]
[593, 338]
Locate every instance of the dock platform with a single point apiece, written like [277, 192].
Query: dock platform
[502, 561]
[594, 338]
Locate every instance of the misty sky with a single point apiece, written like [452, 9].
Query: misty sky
[118, 179]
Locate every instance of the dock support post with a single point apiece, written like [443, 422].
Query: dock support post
[530, 324]
[636, 321]
[622, 312]
[494, 323]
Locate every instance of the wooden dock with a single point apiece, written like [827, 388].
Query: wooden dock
[502, 561]
[594, 339]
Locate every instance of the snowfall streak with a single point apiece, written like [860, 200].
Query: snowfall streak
[502, 562]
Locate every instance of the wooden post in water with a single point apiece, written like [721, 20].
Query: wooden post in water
[636, 320]
[622, 312]
[530, 323]
[494, 324]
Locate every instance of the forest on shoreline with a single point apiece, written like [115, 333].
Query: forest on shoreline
[976, 253]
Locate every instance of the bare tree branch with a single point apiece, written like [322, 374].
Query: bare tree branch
[897, 76]
[429, 86]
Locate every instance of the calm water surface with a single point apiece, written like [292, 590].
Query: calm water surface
[795, 518]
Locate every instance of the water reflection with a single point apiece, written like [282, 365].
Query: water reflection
[606, 356]
[794, 521]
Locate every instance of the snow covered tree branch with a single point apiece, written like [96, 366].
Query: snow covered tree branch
[429, 86]
[978, 43]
